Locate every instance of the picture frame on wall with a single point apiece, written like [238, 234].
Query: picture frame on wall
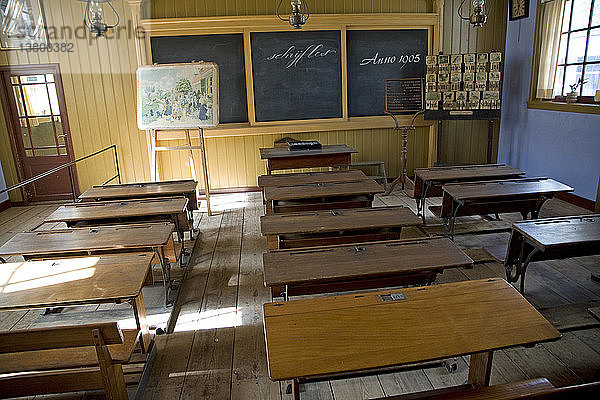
[22, 25]
[518, 9]
[178, 96]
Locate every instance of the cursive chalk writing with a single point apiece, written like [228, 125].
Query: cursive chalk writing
[295, 55]
[383, 60]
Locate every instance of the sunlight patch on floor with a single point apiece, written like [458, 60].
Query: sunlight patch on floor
[221, 318]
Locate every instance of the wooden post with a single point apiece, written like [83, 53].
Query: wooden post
[205, 170]
[152, 147]
[404, 156]
[192, 164]
[112, 374]
[139, 311]
[480, 368]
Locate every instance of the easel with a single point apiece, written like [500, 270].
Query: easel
[154, 165]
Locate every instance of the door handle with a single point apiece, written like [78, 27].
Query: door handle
[63, 136]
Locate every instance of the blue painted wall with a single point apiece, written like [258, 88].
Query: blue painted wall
[561, 145]
[3, 196]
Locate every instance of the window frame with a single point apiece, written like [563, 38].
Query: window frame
[584, 104]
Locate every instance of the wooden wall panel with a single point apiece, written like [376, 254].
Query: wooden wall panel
[99, 82]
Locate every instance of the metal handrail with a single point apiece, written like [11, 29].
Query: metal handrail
[69, 165]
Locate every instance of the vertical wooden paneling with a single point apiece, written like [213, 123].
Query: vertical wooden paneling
[99, 83]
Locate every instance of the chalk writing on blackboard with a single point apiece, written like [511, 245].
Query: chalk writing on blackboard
[402, 59]
[295, 55]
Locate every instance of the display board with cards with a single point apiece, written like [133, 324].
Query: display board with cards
[463, 86]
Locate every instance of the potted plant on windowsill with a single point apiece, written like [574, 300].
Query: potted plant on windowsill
[573, 94]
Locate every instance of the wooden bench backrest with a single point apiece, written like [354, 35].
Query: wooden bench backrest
[58, 337]
[585, 391]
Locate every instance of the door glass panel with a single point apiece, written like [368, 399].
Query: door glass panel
[19, 101]
[36, 99]
[49, 78]
[60, 135]
[25, 133]
[46, 152]
[42, 132]
[33, 78]
[62, 151]
[53, 98]
[14, 79]
[29, 153]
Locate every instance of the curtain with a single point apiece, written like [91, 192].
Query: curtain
[550, 25]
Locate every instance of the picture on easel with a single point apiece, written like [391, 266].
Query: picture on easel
[178, 96]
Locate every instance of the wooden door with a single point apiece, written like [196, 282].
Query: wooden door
[34, 106]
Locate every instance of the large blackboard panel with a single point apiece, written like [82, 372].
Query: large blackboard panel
[225, 50]
[385, 54]
[297, 75]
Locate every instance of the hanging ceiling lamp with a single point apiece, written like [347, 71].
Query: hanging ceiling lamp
[93, 17]
[479, 13]
[299, 16]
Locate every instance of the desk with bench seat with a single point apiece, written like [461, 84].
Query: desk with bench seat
[320, 337]
[321, 196]
[67, 359]
[336, 155]
[139, 190]
[303, 178]
[173, 209]
[60, 243]
[525, 195]
[329, 227]
[79, 281]
[549, 239]
[360, 266]
[429, 181]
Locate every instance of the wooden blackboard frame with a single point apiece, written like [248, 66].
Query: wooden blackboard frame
[269, 23]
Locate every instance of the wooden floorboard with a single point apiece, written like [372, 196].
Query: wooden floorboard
[218, 350]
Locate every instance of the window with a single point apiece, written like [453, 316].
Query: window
[567, 51]
[579, 49]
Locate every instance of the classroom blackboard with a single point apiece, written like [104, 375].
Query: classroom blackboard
[225, 50]
[297, 75]
[373, 57]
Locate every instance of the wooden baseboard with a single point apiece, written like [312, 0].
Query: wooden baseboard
[576, 200]
[5, 205]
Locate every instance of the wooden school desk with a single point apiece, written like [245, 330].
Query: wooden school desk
[321, 196]
[321, 228]
[361, 266]
[329, 156]
[155, 237]
[429, 181]
[79, 281]
[525, 195]
[185, 188]
[310, 178]
[174, 209]
[548, 239]
[317, 337]
[303, 178]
